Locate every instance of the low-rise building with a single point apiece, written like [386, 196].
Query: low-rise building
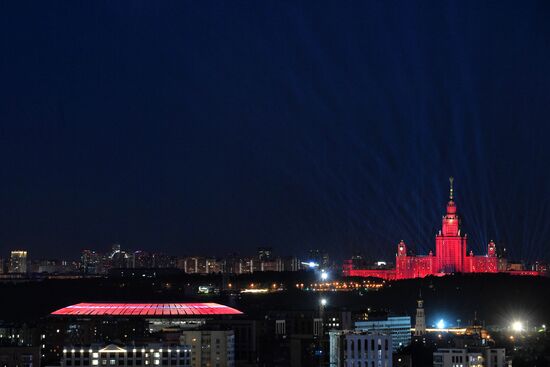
[154, 355]
[473, 357]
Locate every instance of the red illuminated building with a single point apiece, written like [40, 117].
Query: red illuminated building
[450, 255]
[146, 309]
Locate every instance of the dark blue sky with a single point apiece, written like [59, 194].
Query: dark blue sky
[210, 127]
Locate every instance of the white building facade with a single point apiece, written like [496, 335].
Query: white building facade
[462, 357]
[153, 355]
[360, 349]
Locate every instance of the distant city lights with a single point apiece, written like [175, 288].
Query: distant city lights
[326, 286]
[255, 290]
[311, 264]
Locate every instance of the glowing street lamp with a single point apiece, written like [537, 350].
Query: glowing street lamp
[517, 326]
[324, 275]
[324, 302]
[441, 324]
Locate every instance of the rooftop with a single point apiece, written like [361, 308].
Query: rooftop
[146, 309]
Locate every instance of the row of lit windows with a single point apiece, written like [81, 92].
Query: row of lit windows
[114, 362]
[130, 358]
[350, 343]
[124, 352]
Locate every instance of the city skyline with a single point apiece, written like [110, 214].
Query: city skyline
[213, 126]
[274, 184]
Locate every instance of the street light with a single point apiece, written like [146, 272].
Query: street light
[517, 326]
[323, 302]
[324, 275]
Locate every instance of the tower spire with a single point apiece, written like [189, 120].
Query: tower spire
[420, 325]
[451, 193]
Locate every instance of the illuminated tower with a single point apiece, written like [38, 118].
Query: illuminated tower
[450, 244]
[18, 262]
[404, 268]
[420, 325]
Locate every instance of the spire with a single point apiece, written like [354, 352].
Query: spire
[451, 179]
[420, 325]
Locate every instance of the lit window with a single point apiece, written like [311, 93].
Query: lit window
[95, 362]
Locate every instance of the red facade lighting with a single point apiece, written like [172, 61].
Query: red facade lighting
[146, 309]
[450, 255]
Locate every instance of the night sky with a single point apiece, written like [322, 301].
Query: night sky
[211, 127]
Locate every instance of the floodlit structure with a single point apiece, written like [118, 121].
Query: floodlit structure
[88, 324]
[146, 309]
[450, 255]
[128, 355]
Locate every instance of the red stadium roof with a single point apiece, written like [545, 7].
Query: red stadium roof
[146, 309]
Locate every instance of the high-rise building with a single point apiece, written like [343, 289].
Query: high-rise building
[265, 253]
[398, 327]
[270, 265]
[213, 266]
[210, 347]
[195, 265]
[289, 263]
[358, 348]
[420, 324]
[248, 265]
[90, 261]
[141, 259]
[319, 257]
[18, 262]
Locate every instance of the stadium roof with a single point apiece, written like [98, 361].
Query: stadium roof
[146, 309]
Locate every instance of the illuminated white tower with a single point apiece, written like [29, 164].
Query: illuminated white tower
[420, 326]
